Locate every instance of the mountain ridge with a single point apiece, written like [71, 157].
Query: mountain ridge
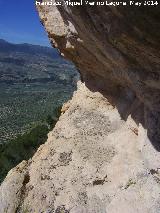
[26, 63]
[28, 48]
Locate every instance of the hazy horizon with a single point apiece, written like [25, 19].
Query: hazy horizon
[16, 43]
[19, 23]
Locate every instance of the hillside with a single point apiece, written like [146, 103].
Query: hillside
[26, 63]
[34, 80]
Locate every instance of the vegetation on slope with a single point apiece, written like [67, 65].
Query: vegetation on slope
[34, 82]
[24, 146]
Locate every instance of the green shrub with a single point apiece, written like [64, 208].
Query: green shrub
[52, 120]
[24, 146]
[21, 148]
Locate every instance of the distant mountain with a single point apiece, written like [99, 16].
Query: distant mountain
[27, 63]
[6, 47]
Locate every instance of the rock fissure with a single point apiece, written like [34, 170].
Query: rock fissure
[23, 193]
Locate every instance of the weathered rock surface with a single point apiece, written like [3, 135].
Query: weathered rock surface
[116, 49]
[103, 154]
[93, 161]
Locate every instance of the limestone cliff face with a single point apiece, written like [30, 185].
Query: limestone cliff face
[103, 154]
[116, 49]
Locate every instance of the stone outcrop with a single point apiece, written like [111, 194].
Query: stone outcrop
[103, 154]
[93, 161]
[116, 50]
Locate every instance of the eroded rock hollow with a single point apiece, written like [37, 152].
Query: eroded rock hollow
[117, 51]
[103, 155]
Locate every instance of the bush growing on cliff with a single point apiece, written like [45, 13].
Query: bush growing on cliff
[50, 120]
[21, 148]
[24, 146]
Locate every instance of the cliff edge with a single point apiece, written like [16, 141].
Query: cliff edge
[103, 154]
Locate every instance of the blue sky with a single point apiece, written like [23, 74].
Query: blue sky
[19, 22]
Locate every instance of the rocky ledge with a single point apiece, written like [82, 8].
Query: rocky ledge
[93, 161]
[103, 154]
